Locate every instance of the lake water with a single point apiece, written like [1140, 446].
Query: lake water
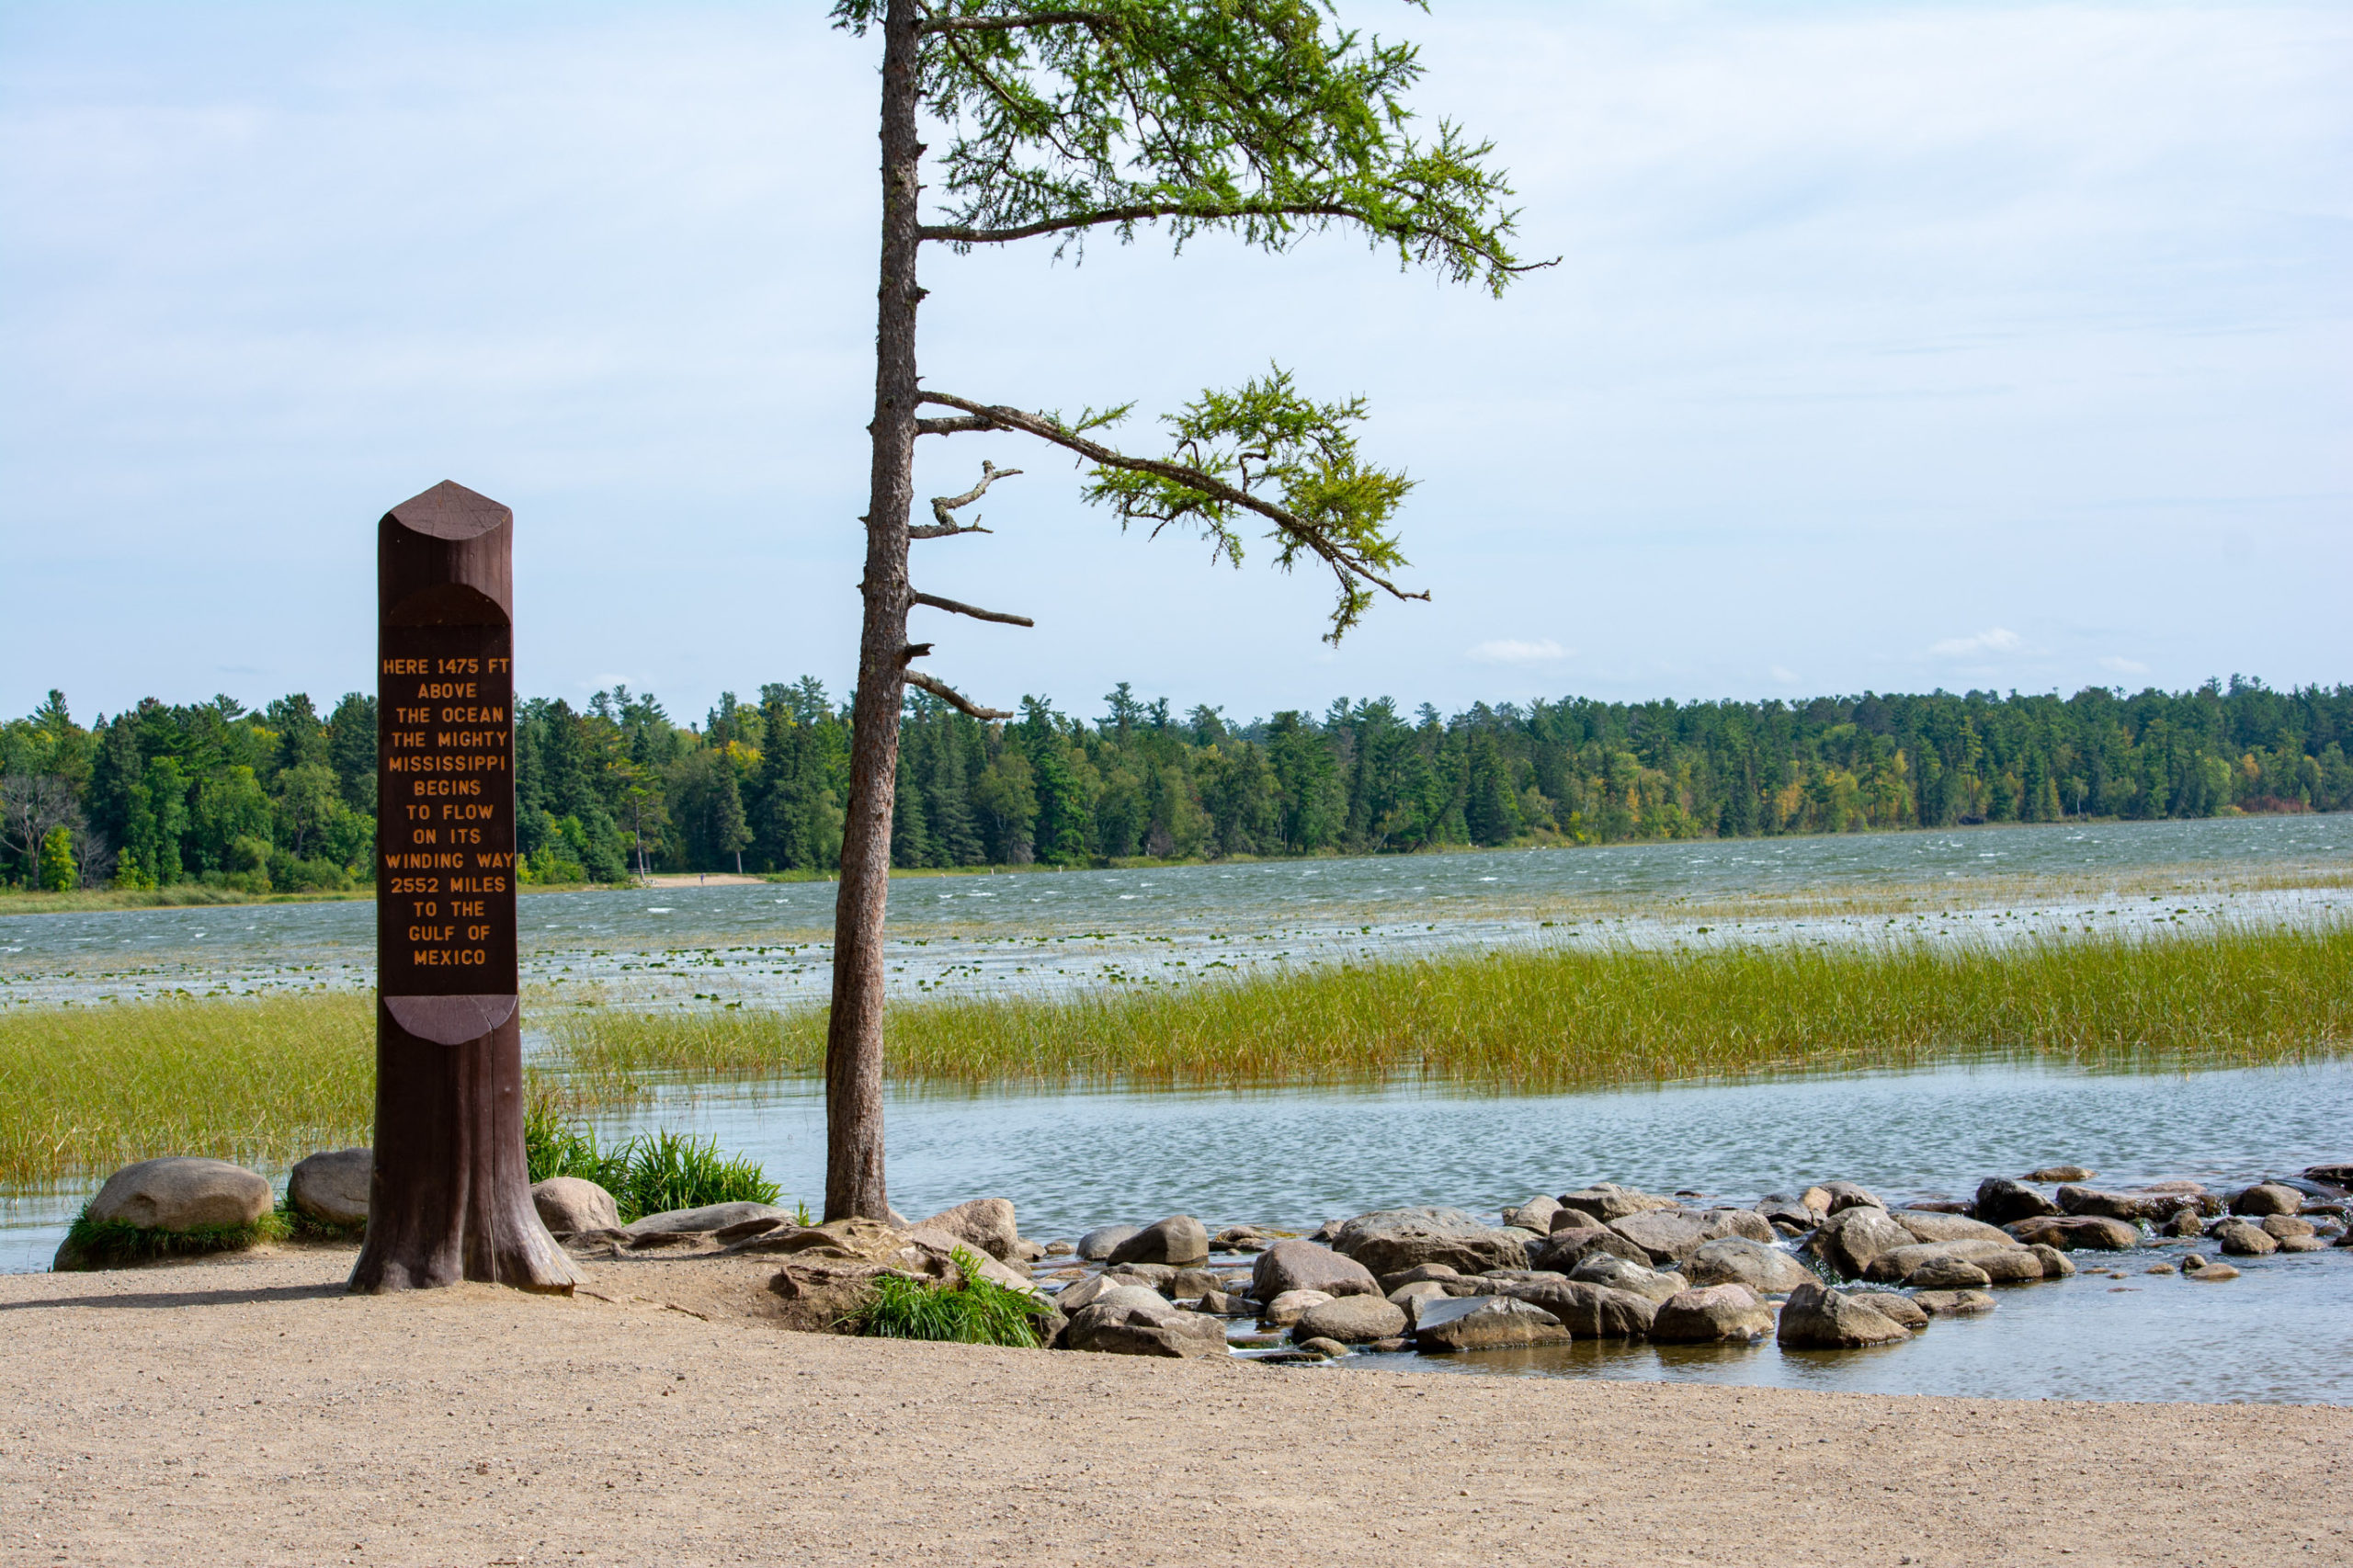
[769, 943]
[1291, 1159]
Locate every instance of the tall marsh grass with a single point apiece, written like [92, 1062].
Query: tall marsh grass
[1550, 1019]
[259, 1081]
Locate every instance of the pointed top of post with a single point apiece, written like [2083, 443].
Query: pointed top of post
[450, 511]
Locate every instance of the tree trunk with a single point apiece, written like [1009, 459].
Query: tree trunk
[854, 1182]
[450, 1199]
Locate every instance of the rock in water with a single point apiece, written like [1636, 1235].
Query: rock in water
[2151, 1206]
[2061, 1173]
[2245, 1240]
[1292, 1305]
[1132, 1320]
[571, 1204]
[1953, 1303]
[181, 1193]
[332, 1186]
[1590, 1311]
[1928, 1225]
[985, 1223]
[1850, 1239]
[2070, 1233]
[2266, 1197]
[1567, 1247]
[1351, 1320]
[1536, 1215]
[1411, 1299]
[1949, 1273]
[2004, 1260]
[1902, 1311]
[1179, 1240]
[1837, 1196]
[1303, 1265]
[1721, 1314]
[1605, 1200]
[1818, 1318]
[1650, 1284]
[2001, 1201]
[1101, 1242]
[2056, 1265]
[1486, 1323]
[1737, 1260]
[1392, 1239]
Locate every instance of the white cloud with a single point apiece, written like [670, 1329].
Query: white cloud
[1517, 651]
[1993, 640]
[2124, 667]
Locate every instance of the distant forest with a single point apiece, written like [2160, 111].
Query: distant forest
[282, 797]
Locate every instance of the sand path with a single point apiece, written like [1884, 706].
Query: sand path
[249, 1411]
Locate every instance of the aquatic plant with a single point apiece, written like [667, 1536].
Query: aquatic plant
[648, 1175]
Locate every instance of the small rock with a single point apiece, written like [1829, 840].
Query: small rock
[2000, 1200]
[1133, 1321]
[1788, 1215]
[1153, 1276]
[2160, 1269]
[2303, 1243]
[2266, 1197]
[2056, 1265]
[2070, 1233]
[2145, 1207]
[1650, 1284]
[1563, 1249]
[1303, 1265]
[2061, 1173]
[1330, 1350]
[1389, 1240]
[1605, 1200]
[1030, 1251]
[1097, 1244]
[1085, 1294]
[2236, 1236]
[1351, 1320]
[1902, 1311]
[1815, 1317]
[2184, 1223]
[2217, 1271]
[571, 1204]
[1291, 1305]
[985, 1223]
[1949, 1273]
[1536, 1215]
[1953, 1303]
[1719, 1313]
[1848, 1240]
[2287, 1227]
[181, 1193]
[1419, 1274]
[1837, 1196]
[2338, 1174]
[1178, 1240]
[333, 1186]
[1931, 1225]
[1737, 1260]
[702, 1221]
[1060, 1249]
[1190, 1283]
[1411, 1299]
[1486, 1323]
[1241, 1238]
[1667, 1235]
[2002, 1262]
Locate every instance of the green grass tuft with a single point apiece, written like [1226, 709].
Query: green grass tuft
[648, 1175]
[111, 1243]
[978, 1311]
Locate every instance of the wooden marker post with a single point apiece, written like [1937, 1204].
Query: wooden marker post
[451, 1196]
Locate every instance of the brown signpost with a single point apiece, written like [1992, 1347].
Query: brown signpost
[451, 1196]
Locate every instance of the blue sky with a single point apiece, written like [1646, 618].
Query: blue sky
[1893, 345]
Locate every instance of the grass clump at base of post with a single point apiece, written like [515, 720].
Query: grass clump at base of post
[255, 1081]
[651, 1174]
[977, 1311]
[306, 1227]
[112, 1244]
[1536, 1020]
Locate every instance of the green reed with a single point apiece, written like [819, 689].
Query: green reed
[1528, 1019]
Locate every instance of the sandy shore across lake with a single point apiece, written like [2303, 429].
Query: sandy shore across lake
[248, 1411]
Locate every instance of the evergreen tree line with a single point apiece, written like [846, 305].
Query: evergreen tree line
[284, 798]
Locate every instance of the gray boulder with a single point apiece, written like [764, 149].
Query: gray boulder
[985, 1223]
[1667, 1235]
[1953, 1303]
[1191, 1283]
[2145, 1207]
[2073, 1232]
[1563, 1250]
[1099, 1243]
[1292, 1305]
[1536, 1215]
[1815, 1317]
[1930, 1226]
[332, 1186]
[1605, 1200]
[1719, 1313]
[1303, 1265]
[1837, 1196]
[1848, 1240]
[1787, 1216]
[1351, 1320]
[1591, 1312]
[2266, 1197]
[1486, 1323]
[1411, 1299]
[1087, 1292]
[1899, 1309]
[1737, 1260]
[1178, 1241]
[2001, 1201]
[2056, 1265]
[1131, 1321]
[1650, 1284]
[571, 1204]
[2005, 1259]
[1419, 1274]
[182, 1193]
[2288, 1228]
[1392, 1239]
[1949, 1273]
[2061, 1173]
[702, 1222]
[2187, 1222]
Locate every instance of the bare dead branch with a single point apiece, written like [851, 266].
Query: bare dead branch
[1293, 525]
[956, 607]
[942, 530]
[953, 697]
[950, 427]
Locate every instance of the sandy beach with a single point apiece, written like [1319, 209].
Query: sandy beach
[248, 1411]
